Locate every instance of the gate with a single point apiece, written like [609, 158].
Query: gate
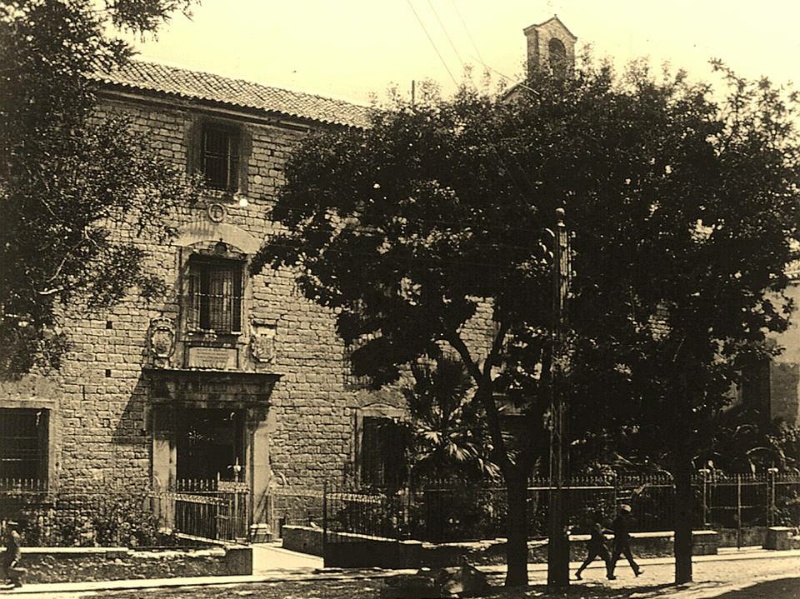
[208, 509]
[362, 529]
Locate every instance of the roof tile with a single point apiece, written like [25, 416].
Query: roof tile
[195, 85]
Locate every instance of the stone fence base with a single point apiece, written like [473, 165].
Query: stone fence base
[351, 550]
[86, 564]
[781, 538]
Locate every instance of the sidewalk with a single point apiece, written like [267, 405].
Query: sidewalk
[274, 564]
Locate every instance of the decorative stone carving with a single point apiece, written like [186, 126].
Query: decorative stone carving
[217, 212]
[161, 338]
[262, 342]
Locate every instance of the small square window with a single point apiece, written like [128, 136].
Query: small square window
[23, 446]
[220, 150]
[215, 296]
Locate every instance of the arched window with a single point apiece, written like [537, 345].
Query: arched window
[558, 57]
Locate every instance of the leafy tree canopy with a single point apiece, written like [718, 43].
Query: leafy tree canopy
[682, 202]
[69, 178]
[696, 247]
[682, 206]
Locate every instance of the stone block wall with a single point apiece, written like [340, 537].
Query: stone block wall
[102, 433]
[784, 379]
[99, 400]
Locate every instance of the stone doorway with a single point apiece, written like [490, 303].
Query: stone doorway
[210, 444]
[210, 433]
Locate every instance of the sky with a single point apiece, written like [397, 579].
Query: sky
[352, 49]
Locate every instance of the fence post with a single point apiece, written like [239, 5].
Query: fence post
[771, 507]
[738, 511]
[616, 490]
[324, 517]
[705, 472]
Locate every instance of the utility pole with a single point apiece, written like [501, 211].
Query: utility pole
[558, 537]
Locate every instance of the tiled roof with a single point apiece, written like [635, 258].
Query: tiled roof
[195, 85]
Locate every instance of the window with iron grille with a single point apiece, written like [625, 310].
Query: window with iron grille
[383, 453]
[23, 444]
[220, 157]
[215, 296]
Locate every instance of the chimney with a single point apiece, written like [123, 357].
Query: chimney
[551, 47]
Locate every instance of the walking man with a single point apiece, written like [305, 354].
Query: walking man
[596, 546]
[12, 555]
[622, 541]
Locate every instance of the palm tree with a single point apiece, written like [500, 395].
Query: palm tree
[449, 437]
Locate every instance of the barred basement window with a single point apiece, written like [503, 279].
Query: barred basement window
[215, 295]
[383, 453]
[23, 445]
[220, 157]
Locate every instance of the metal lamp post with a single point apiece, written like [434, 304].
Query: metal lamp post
[558, 536]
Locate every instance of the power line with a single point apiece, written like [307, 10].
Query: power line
[446, 34]
[500, 160]
[466, 29]
[430, 39]
[519, 84]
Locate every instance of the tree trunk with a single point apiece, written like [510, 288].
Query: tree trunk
[683, 518]
[517, 547]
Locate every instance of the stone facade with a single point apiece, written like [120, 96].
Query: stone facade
[152, 394]
[270, 393]
[780, 389]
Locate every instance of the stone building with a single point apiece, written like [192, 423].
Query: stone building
[233, 379]
[772, 387]
[550, 45]
[231, 373]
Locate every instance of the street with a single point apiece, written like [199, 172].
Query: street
[763, 578]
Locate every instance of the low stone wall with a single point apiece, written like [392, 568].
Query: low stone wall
[303, 539]
[751, 536]
[350, 550]
[82, 564]
[781, 538]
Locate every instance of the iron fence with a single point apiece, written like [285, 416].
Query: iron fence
[80, 517]
[448, 512]
[208, 509]
[441, 512]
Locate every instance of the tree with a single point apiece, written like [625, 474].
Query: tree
[711, 224]
[71, 180]
[429, 225]
[449, 434]
[391, 227]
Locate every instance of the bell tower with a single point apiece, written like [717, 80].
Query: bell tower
[551, 47]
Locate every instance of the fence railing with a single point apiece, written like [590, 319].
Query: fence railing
[449, 512]
[80, 517]
[209, 509]
[441, 512]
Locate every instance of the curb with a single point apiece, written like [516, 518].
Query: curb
[338, 574]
